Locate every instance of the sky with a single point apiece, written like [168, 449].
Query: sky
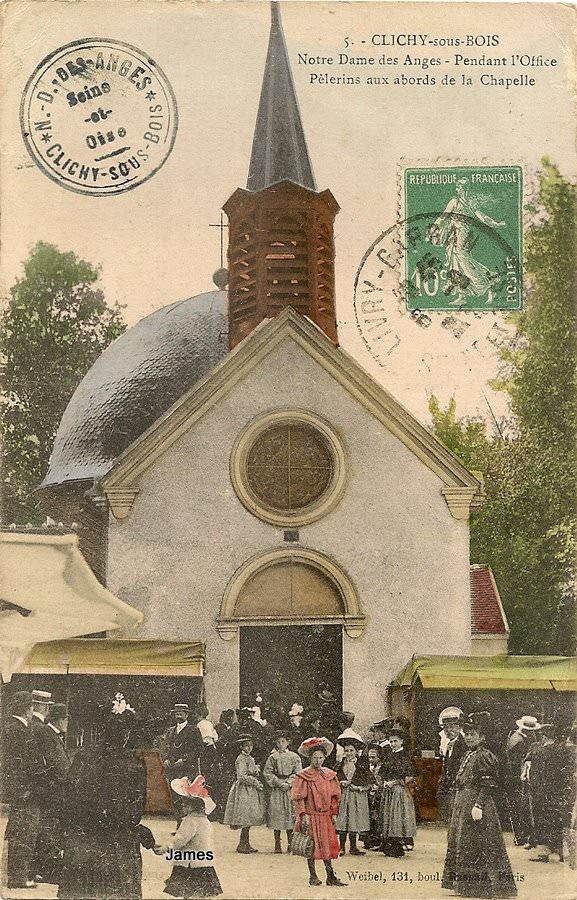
[154, 245]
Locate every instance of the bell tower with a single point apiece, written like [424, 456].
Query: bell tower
[281, 243]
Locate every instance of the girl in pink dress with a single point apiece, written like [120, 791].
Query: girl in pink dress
[316, 793]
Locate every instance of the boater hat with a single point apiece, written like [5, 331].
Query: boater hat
[528, 723]
[352, 738]
[243, 738]
[41, 696]
[185, 788]
[182, 707]
[450, 715]
[315, 743]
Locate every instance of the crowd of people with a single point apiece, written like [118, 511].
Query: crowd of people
[321, 788]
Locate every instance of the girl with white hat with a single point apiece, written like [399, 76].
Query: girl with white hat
[192, 848]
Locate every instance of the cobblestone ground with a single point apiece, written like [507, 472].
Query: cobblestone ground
[268, 876]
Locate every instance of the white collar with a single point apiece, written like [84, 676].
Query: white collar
[181, 725]
[21, 719]
[38, 715]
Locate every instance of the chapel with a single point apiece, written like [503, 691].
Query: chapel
[239, 479]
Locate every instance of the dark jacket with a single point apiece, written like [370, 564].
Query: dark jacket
[451, 766]
[56, 765]
[186, 745]
[362, 777]
[397, 766]
[22, 762]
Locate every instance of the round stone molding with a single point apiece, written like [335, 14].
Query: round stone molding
[319, 507]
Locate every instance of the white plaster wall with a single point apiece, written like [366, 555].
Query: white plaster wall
[488, 646]
[392, 532]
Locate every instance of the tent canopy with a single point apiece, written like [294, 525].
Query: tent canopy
[48, 592]
[508, 673]
[104, 656]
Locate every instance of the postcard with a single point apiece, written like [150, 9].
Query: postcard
[288, 353]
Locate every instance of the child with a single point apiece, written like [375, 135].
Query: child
[192, 843]
[355, 779]
[398, 820]
[245, 805]
[372, 840]
[279, 773]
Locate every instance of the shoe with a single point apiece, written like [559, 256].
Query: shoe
[354, 851]
[333, 881]
[240, 849]
[314, 881]
[252, 849]
[543, 857]
[341, 852]
[277, 850]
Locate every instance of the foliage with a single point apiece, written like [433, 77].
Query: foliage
[526, 530]
[55, 325]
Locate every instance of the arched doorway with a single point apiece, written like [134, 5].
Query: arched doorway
[290, 607]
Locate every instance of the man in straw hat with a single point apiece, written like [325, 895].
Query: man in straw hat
[41, 703]
[181, 750]
[316, 793]
[453, 748]
[21, 767]
[517, 746]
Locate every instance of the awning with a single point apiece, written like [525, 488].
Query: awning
[47, 592]
[490, 673]
[105, 656]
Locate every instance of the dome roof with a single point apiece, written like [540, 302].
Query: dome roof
[137, 378]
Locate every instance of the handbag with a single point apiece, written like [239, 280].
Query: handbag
[302, 843]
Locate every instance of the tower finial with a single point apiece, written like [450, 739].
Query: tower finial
[279, 150]
[275, 19]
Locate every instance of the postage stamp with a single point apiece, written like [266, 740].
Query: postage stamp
[463, 237]
[98, 116]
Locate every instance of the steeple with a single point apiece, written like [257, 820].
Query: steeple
[279, 149]
[281, 247]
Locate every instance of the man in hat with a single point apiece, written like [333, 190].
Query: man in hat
[518, 745]
[181, 750]
[452, 749]
[49, 844]
[21, 766]
[41, 703]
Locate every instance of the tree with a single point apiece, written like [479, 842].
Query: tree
[55, 325]
[526, 530]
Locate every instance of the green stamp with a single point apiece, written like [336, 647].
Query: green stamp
[463, 238]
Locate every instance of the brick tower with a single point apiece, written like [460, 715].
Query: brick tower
[281, 245]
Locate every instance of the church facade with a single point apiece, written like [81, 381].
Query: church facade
[242, 481]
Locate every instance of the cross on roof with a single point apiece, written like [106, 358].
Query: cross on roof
[222, 225]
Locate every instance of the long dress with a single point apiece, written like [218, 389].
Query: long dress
[316, 793]
[548, 779]
[103, 801]
[398, 818]
[476, 864]
[245, 804]
[354, 804]
[281, 768]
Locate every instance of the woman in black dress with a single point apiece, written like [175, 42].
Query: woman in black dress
[103, 801]
[477, 864]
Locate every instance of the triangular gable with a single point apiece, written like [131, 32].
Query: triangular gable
[462, 490]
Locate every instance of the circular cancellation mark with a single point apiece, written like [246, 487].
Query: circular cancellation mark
[98, 117]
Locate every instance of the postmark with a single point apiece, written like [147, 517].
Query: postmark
[463, 237]
[98, 116]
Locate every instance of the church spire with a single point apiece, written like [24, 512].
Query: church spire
[281, 239]
[279, 150]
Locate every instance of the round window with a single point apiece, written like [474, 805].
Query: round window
[287, 469]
